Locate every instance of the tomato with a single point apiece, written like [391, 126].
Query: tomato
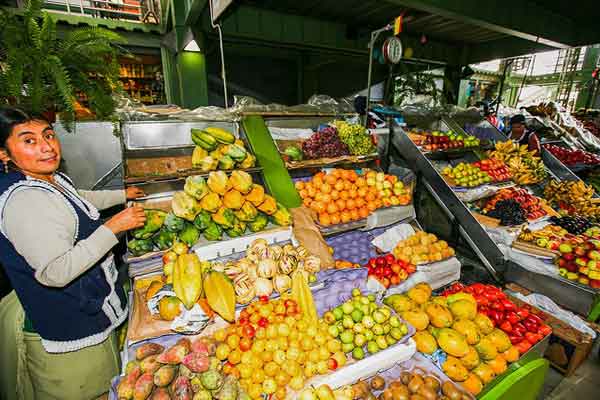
[478, 288]
[508, 305]
[457, 287]
[532, 337]
[380, 261]
[389, 258]
[522, 312]
[263, 322]
[263, 299]
[243, 320]
[530, 325]
[332, 364]
[545, 330]
[514, 339]
[534, 318]
[512, 317]
[481, 300]
[248, 331]
[497, 305]
[491, 296]
[523, 346]
[395, 267]
[506, 326]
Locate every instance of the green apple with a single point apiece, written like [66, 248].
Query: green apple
[338, 313]
[347, 322]
[360, 340]
[395, 321]
[369, 334]
[381, 342]
[358, 353]
[377, 329]
[333, 330]
[347, 336]
[347, 307]
[357, 315]
[358, 328]
[372, 347]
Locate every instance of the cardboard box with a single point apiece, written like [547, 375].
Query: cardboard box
[568, 347]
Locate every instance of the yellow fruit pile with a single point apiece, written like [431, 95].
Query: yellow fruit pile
[573, 196]
[525, 166]
[274, 347]
[477, 352]
[422, 247]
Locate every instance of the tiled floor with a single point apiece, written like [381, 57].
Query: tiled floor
[582, 385]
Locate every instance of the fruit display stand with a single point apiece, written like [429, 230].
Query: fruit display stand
[485, 240]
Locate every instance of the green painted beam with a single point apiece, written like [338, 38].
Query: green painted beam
[518, 18]
[194, 11]
[281, 31]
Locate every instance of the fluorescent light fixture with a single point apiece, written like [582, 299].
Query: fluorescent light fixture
[192, 46]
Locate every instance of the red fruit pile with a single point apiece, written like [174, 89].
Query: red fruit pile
[496, 169]
[572, 157]
[388, 270]
[531, 204]
[324, 143]
[523, 327]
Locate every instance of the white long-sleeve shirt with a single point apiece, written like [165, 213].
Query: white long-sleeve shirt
[42, 229]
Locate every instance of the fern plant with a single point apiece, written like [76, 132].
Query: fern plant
[41, 72]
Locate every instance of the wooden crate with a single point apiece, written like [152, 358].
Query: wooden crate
[568, 348]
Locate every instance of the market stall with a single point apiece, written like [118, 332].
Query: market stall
[237, 318]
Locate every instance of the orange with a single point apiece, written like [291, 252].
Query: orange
[362, 192]
[314, 206]
[299, 185]
[303, 193]
[317, 180]
[311, 192]
[370, 197]
[360, 182]
[339, 186]
[354, 214]
[335, 219]
[371, 206]
[373, 190]
[350, 204]
[341, 204]
[344, 195]
[335, 195]
[363, 212]
[308, 185]
[352, 175]
[347, 185]
[330, 179]
[378, 203]
[359, 202]
[332, 208]
[320, 206]
[344, 173]
[326, 188]
[345, 216]
[472, 384]
[352, 193]
[324, 219]
[319, 196]
[326, 198]
[306, 201]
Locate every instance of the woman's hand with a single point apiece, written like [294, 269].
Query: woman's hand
[133, 192]
[130, 218]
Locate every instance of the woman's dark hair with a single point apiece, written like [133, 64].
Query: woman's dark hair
[11, 117]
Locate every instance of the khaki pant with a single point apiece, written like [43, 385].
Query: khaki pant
[28, 372]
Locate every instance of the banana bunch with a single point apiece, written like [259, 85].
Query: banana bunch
[525, 166]
[526, 235]
[574, 195]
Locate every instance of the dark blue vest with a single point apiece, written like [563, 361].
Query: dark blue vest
[84, 312]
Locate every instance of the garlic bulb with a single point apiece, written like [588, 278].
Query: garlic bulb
[302, 252]
[252, 272]
[282, 283]
[275, 252]
[244, 264]
[287, 264]
[263, 287]
[244, 288]
[266, 268]
[232, 269]
[258, 250]
[312, 264]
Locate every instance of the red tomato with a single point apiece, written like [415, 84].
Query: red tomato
[522, 312]
[545, 330]
[395, 267]
[512, 317]
[243, 320]
[523, 346]
[506, 326]
[389, 258]
[264, 299]
[263, 322]
[248, 331]
[245, 344]
[332, 364]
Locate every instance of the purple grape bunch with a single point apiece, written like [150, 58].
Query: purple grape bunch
[324, 143]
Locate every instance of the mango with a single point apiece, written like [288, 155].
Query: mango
[468, 329]
[164, 375]
[425, 342]
[485, 373]
[484, 324]
[471, 359]
[143, 386]
[424, 286]
[416, 318]
[439, 316]
[486, 349]
[419, 295]
[452, 342]
[463, 309]
[500, 340]
[131, 365]
[454, 369]
[148, 349]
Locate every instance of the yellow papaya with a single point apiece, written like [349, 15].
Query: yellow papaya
[256, 195]
[220, 294]
[187, 279]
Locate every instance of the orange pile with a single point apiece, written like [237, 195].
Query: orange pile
[343, 196]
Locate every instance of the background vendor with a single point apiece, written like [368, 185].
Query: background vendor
[520, 134]
[57, 328]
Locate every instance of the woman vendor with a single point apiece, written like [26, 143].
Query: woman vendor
[58, 325]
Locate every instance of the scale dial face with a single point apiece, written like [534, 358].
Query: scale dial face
[392, 50]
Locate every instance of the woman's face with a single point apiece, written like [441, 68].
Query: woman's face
[34, 148]
[518, 129]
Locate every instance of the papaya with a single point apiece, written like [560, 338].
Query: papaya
[220, 294]
[471, 359]
[452, 342]
[484, 372]
[500, 340]
[439, 315]
[454, 369]
[419, 295]
[472, 384]
[220, 135]
[425, 342]
[463, 309]
[469, 329]
[486, 349]
[484, 324]
[416, 318]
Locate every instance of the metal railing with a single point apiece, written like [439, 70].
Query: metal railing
[143, 11]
